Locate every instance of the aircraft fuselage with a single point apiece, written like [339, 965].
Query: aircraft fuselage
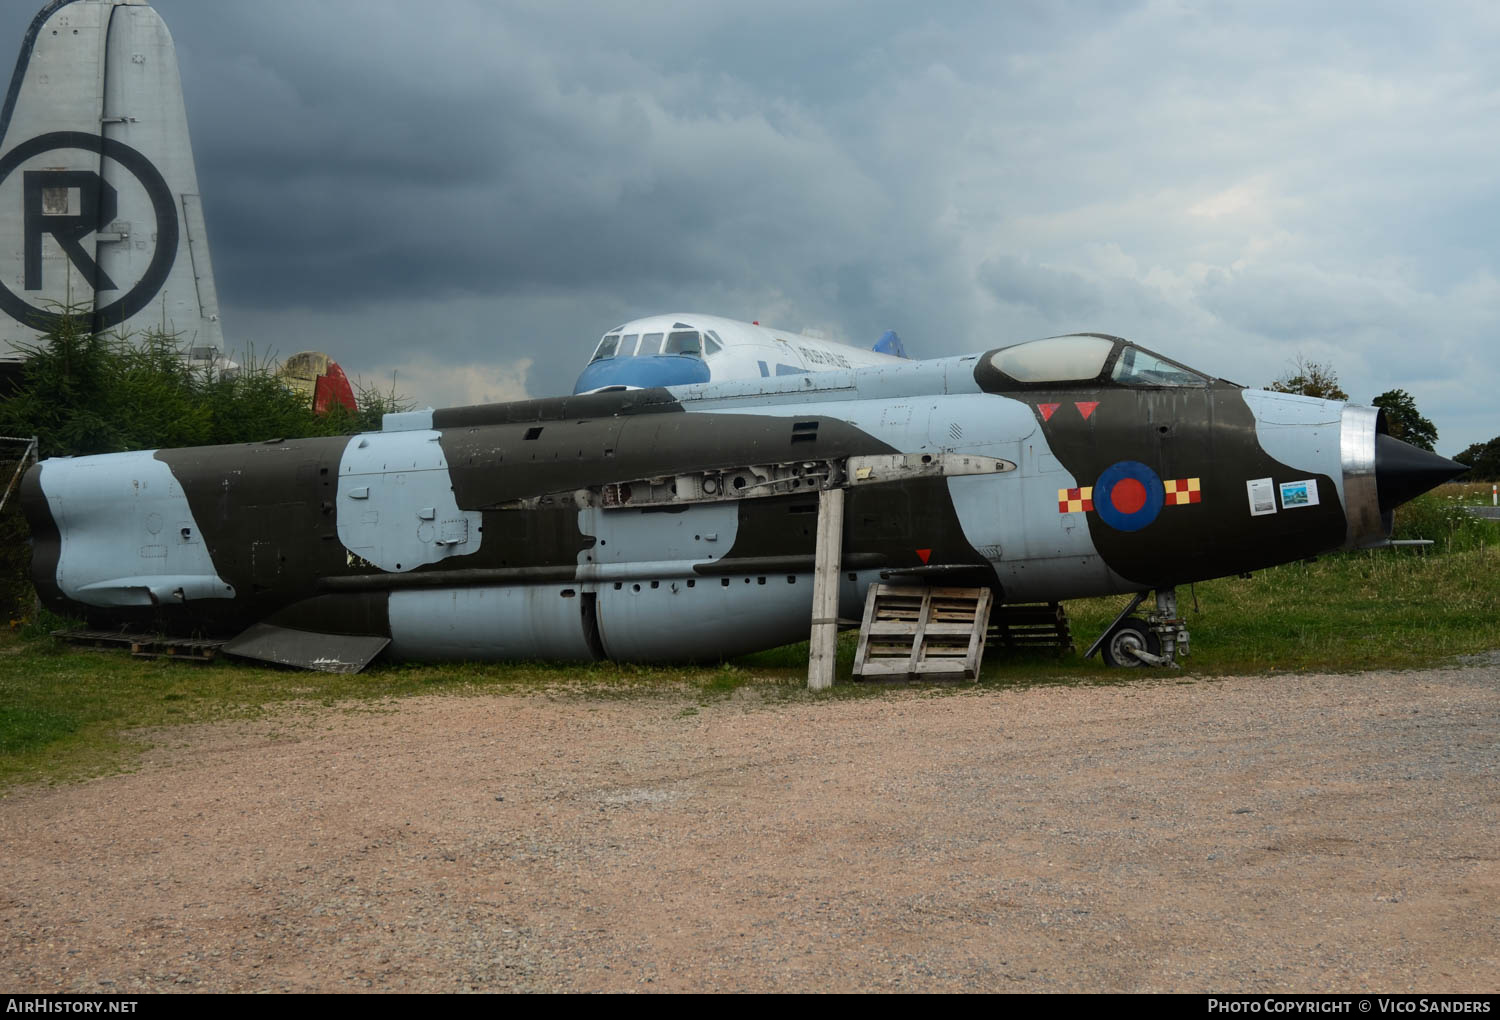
[679, 524]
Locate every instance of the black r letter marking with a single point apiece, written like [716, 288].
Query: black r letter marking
[70, 230]
[98, 205]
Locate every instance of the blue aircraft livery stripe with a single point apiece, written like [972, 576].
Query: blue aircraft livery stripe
[642, 373]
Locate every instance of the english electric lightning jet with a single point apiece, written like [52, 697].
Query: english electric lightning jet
[678, 523]
[674, 350]
[670, 521]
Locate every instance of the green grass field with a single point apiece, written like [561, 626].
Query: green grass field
[68, 713]
[1468, 493]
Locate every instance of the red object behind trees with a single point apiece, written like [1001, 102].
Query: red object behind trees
[333, 388]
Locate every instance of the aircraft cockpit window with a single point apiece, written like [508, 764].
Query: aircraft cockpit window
[686, 344]
[1142, 368]
[607, 347]
[650, 344]
[711, 343]
[1058, 359]
[627, 344]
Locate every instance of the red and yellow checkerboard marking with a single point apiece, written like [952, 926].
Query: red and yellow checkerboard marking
[1072, 501]
[1181, 491]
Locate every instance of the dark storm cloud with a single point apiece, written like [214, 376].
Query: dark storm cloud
[467, 191]
[348, 176]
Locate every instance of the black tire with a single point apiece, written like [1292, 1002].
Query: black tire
[1128, 634]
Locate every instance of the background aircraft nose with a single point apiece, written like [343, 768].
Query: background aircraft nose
[1403, 471]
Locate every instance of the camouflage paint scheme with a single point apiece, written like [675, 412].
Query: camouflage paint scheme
[454, 533]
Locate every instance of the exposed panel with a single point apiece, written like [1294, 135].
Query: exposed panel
[327, 653]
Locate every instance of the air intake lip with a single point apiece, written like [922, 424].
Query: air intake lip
[1359, 428]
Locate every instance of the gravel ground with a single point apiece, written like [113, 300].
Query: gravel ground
[1309, 833]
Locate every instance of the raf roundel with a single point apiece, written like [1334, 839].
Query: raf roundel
[1128, 496]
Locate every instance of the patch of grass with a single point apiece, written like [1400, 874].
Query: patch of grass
[26, 727]
[1466, 493]
[724, 682]
[67, 712]
[1384, 608]
[63, 710]
[1441, 516]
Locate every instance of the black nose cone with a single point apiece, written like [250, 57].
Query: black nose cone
[1403, 471]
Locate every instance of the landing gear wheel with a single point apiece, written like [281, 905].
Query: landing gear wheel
[1129, 635]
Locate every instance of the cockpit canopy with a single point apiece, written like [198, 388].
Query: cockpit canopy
[1091, 357]
[683, 340]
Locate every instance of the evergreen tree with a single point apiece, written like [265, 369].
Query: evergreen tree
[83, 392]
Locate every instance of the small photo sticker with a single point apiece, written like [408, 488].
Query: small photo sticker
[1262, 496]
[1298, 494]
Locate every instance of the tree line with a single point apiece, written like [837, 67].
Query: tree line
[83, 392]
[1315, 379]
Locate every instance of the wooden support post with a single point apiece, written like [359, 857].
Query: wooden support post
[827, 562]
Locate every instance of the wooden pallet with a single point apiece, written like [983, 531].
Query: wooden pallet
[1033, 627]
[145, 646]
[911, 631]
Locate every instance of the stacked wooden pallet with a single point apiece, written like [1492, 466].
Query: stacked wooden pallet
[922, 632]
[145, 646]
[1032, 627]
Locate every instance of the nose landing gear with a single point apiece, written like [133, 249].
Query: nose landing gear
[1156, 640]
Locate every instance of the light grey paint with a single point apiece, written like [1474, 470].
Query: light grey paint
[683, 615]
[706, 621]
[396, 507]
[913, 423]
[906, 380]
[651, 605]
[128, 536]
[981, 423]
[516, 622]
[1012, 518]
[650, 543]
[406, 421]
[1301, 432]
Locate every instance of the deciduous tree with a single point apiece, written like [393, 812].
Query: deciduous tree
[1311, 379]
[1483, 460]
[1405, 421]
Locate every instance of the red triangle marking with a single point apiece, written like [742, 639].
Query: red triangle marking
[1048, 410]
[924, 554]
[1086, 407]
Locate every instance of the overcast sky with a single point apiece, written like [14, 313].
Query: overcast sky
[468, 193]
